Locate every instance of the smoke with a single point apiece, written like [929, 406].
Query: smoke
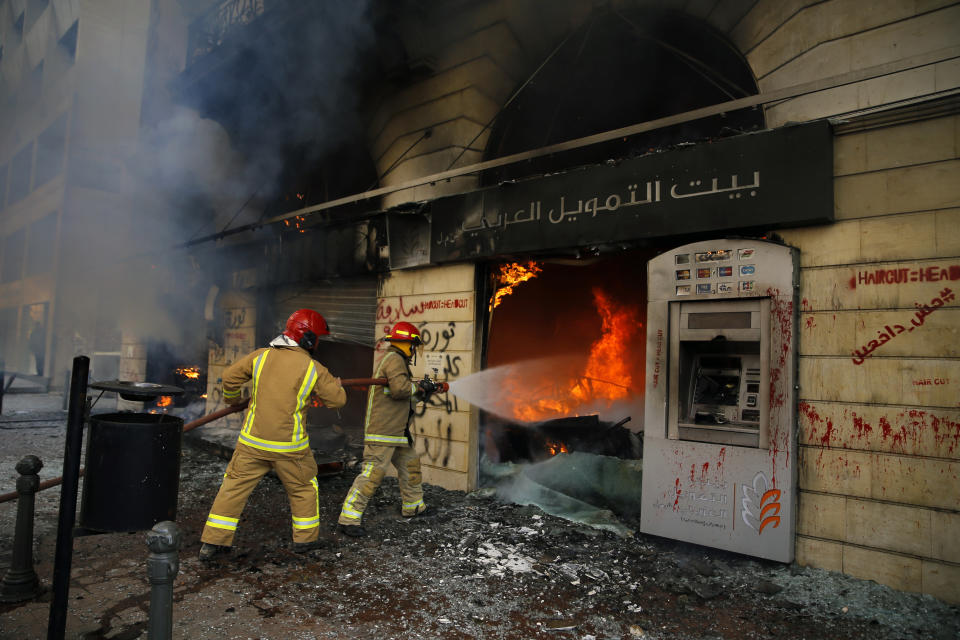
[211, 151]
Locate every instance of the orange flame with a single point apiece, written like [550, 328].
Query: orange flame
[605, 378]
[511, 275]
[606, 360]
[553, 448]
[192, 373]
[296, 223]
[165, 401]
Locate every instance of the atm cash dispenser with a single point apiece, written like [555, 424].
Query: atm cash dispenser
[719, 464]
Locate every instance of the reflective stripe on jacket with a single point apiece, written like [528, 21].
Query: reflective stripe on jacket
[388, 407]
[283, 380]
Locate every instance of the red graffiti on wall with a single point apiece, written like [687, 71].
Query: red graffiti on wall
[907, 431]
[388, 313]
[888, 333]
[862, 426]
[905, 274]
[931, 382]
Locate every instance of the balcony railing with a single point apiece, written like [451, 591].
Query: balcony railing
[210, 30]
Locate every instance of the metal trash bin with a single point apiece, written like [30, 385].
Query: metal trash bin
[132, 470]
[132, 476]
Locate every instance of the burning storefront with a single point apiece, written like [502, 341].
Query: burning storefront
[570, 368]
[587, 172]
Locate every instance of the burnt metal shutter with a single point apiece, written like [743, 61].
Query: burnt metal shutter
[349, 306]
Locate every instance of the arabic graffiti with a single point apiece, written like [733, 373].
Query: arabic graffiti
[447, 402]
[431, 339]
[887, 334]
[452, 366]
[904, 274]
[441, 455]
[650, 193]
[216, 352]
[234, 318]
[389, 313]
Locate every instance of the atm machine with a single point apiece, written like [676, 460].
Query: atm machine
[719, 464]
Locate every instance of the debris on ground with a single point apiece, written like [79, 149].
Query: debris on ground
[473, 566]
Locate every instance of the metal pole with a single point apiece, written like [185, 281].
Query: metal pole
[66, 389]
[63, 556]
[21, 581]
[162, 567]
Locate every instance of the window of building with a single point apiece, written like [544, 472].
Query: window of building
[41, 245]
[68, 41]
[13, 253]
[19, 180]
[50, 151]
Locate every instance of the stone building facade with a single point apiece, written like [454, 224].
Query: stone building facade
[879, 462]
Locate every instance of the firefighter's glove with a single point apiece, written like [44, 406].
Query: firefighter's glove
[427, 387]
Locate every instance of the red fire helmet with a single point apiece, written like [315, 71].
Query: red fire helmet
[304, 326]
[404, 331]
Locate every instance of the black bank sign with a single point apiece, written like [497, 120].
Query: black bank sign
[768, 180]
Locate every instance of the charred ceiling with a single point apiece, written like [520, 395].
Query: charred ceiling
[618, 68]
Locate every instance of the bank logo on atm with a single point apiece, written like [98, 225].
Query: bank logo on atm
[760, 504]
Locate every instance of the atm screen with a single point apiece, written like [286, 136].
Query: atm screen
[714, 388]
[724, 389]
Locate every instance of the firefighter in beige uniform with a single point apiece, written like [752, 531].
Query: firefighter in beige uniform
[273, 435]
[387, 437]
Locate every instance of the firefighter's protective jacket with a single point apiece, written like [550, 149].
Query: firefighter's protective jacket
[389, 407]
[284, 377]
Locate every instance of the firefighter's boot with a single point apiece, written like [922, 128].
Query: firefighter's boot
[419, 510]
[304, 547]
[210, 551]
[352, 530]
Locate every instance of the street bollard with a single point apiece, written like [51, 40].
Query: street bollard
[21, 581]
[162, 567]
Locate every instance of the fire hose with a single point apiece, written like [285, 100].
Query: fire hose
[427, 385]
